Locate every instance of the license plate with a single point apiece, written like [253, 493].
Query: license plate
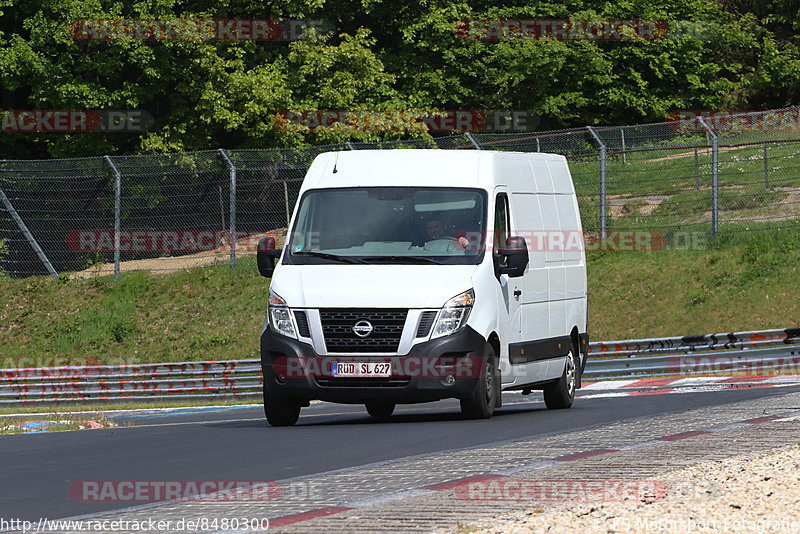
[361, 369]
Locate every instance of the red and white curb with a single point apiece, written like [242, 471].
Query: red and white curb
[539, 464]
[660, 386]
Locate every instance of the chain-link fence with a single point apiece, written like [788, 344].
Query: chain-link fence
[104, 215]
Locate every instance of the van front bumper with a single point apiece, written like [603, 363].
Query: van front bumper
[447, 367]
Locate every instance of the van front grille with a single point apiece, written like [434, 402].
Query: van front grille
[387, 327]
[425, 323]
[302, 323]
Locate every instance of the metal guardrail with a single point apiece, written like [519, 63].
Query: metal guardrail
[753, 362]
[758, 352]
[232, 379]
[761, 352]
[735, 340]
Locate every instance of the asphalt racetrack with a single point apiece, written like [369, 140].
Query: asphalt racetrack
[236, 443]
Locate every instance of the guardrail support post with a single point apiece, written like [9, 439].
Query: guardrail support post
[714, 177]
[28, 235]
[117, 210]
[232, 230]
[603, 176]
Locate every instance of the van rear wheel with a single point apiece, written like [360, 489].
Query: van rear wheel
[561, 393]
[281, 412]
[480, 405]
[379, 408]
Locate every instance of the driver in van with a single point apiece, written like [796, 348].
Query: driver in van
[436, 230]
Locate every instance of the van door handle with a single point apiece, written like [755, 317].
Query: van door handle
[517, 293]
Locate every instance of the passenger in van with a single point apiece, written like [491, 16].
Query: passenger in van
[436, 230]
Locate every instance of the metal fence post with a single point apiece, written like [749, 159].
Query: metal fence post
[714, 177]
[28, 235]
[603, 176]
[117, 210]
[696, 170]
[286, 203]
[766, 166]
[474, 141]
[232, 230]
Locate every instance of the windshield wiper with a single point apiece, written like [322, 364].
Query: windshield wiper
[412, 259]
[325, 255]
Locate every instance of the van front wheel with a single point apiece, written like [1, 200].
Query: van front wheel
[561, 393]
[480, 405]
[281, 412]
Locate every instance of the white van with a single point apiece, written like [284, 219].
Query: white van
[418, 275]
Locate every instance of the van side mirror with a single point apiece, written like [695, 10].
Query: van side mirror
[512, 259]
[266, 255]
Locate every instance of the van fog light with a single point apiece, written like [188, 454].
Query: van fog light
[449, 380]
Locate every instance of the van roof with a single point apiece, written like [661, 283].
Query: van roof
[483, 169]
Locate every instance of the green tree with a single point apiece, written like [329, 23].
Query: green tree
[382, 56]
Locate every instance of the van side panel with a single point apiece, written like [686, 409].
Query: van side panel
[559, 173]
[554, 264]
[554, 286]
[552, 228]
[513, 171]
[535, 284]
[571, 229]
[574, 256]
[541, 176]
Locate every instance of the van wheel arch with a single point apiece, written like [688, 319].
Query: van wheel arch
[576, 350]
[494, 341]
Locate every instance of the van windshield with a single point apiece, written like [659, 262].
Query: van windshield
[409, 225]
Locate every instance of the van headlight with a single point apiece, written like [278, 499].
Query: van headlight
[454, 314]
[279, 316]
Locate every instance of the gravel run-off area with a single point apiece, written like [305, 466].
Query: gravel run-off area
[748, 493]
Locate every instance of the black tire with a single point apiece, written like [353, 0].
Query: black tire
[281, 412]
[480, 405]
[561, 393]
[380, 408]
